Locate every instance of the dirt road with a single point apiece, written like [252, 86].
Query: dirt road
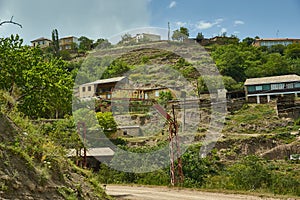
[164, 193]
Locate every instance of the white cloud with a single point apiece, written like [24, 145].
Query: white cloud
[95, 19]
[180, 24]
[172, 4]
[238, 22]
[202, 25]
[223, 30]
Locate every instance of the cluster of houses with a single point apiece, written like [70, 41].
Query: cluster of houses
[257, 90]
[65, 43]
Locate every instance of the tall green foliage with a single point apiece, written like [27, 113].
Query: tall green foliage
[41, 88]
[55, 42]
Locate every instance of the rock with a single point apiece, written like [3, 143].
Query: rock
[17, 185]
[5, 177]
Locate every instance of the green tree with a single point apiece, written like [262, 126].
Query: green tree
[293, 51]
[65, 55]
[101, 44]
[41, 88]
[107, 122]
[249, 174]
[126, 39]
[199, 37]
[55, 42]
[276, 65]
[248, 41]
[279, 48]
[85, 44]
[115, 69]
[180, 34]
[164, 97]
[47, 90]
[237, 60]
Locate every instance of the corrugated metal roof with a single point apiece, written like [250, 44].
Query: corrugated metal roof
[94, 152]
[103, 81]
[273, 79]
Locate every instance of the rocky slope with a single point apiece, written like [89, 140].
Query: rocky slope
[22, 178]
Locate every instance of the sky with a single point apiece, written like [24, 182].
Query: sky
[110, 19]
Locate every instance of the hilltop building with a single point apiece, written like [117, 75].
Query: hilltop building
[147, 37]
[41, 42]
[268, 42]
[67, 43]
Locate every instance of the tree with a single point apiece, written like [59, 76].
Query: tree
[41, 88]
[248, 41]
[199, 37]
[164, 97]
[85, 44]
[107, 122]
[293, 51]
[126, 39]
[279, 48]
[117, 68]
[181, 34]
[55, 42]
[101, 44]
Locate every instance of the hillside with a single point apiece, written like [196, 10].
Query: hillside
[22, 177]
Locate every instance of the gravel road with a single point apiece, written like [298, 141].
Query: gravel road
[164, 193]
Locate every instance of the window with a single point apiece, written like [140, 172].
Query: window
[266, 87]
[277, 86]
[289, 85]
[251, 88]
[258, 87]
[297, 85]
[89, 88]
[83, 89]
[157, 93]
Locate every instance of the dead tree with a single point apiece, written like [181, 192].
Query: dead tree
[10, 22]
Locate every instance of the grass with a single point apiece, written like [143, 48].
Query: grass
[256, 118]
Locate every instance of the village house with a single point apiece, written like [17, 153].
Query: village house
[141, 37]
[67, 43]
[268, 42]
[101, 89]
[261, 90]
[105, 88]
[41, 42]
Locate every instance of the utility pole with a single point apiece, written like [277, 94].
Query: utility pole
[82, 126]
[169, 31]
[176, 172]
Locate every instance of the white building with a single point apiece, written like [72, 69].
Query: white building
[142, 37]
